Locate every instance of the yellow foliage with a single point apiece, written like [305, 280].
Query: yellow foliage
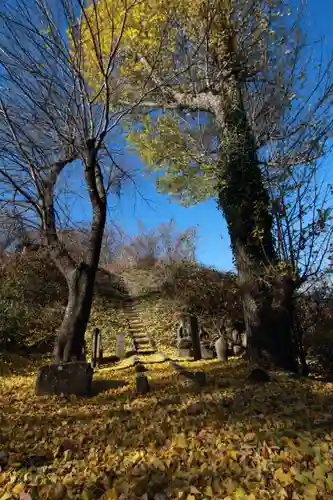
[283, 477]
[221, 442]
[139, 32]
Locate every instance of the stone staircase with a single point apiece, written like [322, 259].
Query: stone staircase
[141, 342]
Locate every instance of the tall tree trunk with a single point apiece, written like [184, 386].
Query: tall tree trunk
[80, 277]
[70, 339]
[245, 204]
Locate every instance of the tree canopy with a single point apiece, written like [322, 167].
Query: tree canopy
[182, 56]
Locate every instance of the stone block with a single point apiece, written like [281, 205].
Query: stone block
[184, 353]
[185, 343]
[68, 378]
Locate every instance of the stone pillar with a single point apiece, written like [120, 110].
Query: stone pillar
[142, 385]
[96, 347]
[120, 346]
[194, 331]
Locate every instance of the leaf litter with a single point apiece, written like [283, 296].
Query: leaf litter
[228, 440]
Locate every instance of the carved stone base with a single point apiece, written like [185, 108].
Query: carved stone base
[185, 353]
[68, 378]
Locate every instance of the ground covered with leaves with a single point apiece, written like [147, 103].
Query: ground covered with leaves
[227, 440]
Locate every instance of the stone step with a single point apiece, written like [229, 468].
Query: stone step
[141, 341]
[151, 351]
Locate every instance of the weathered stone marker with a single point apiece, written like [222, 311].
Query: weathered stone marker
[69, 378]
[96, 348]
[120, 346]
[221, 347]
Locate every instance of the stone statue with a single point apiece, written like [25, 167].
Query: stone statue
[184, 341]
[236, 342]
[206, 351]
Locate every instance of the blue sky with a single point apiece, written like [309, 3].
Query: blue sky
[213, 246]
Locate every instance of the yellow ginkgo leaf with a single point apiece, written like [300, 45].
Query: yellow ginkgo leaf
[18, 488]
[158, 464]
[240, 494]
[310, 492]
[329, 482]
[180, 441]
[111, 494]
[6, 496]
[209, 492]
[320, 471]
[283, 477]
[194, 490]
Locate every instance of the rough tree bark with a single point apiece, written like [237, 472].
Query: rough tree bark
[244, 201]
[80, 276]
[70, 337]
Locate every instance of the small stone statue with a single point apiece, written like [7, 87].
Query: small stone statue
[184, 341]
[236, 342]
[203, 334]
[206, 351]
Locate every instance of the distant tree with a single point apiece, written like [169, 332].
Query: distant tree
[162, 244]
[51, 119]
[12, 230]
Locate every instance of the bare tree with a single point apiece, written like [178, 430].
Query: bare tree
[12, 230]
[163, 244]
[50, 119]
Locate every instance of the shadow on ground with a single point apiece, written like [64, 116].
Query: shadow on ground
[99, 386]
